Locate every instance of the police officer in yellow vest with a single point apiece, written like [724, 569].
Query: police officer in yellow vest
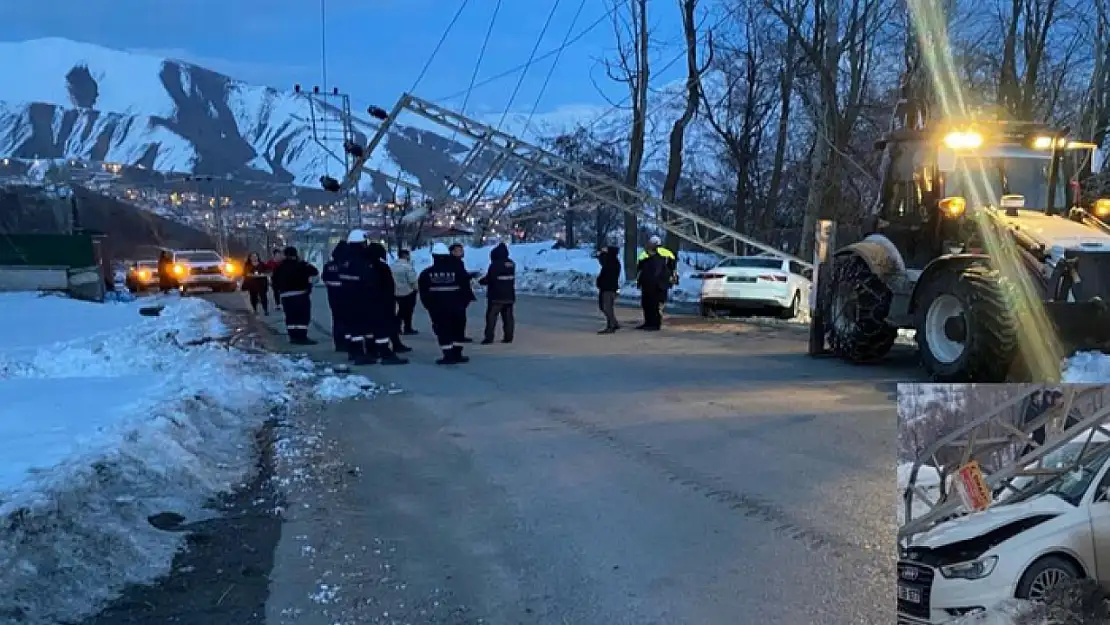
[656, 273]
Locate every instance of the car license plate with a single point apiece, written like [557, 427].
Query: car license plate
[912, 595]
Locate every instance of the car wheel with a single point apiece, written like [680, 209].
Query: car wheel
[1044, 575]
[792, 311]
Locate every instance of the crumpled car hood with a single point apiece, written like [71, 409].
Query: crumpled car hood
[979, 523]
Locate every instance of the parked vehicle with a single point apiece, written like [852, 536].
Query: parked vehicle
[204, 269]
[142, 275]
[755, 283]
[1020, 547]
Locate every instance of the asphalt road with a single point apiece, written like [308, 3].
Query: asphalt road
[709, 473]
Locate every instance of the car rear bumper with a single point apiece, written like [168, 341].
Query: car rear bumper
[746, 301]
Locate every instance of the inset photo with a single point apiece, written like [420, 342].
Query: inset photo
[1004, 504]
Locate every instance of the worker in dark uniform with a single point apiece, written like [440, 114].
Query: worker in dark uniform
[293, 280]
[458, 252]
[445, 292]
[656, 269]
[500, 283]
[384, 314]
[339, 310]
[608, 285]
[357, 279]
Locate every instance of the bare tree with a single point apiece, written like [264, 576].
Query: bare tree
[836, 38]
[740, 114]
[693, 99]
[630, 25]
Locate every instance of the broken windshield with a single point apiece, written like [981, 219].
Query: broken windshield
[982, 180]
[1070, 485]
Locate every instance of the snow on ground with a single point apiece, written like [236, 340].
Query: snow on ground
[1086, 368]
[106, 418]
[928, 481]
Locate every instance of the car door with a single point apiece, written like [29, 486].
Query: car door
[799, 277]
[1099, 513]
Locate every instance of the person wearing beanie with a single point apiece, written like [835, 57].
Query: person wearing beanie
[384, 313]
[500, 283]
[293, 279]
[608, 284]
[445, 293]
[656, 269]
[340, 310]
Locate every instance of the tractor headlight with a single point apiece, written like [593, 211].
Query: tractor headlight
[973, 569]
[1102, 207]
[953, 206]
[963, 140]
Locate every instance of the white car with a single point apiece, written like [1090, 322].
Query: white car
[204, 269]
[746, 283]
[1018, 548]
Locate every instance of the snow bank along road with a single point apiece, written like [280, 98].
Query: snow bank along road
[710, 473]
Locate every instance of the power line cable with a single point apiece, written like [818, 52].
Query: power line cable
[554, 64]
[546, 55]
[531, 56]
[481, 56]
[439, 44]
[680, 56]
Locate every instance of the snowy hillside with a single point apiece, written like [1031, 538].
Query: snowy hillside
[87, 102]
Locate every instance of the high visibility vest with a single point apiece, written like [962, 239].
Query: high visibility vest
[662, 251]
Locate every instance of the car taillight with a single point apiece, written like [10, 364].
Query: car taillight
[144, 274]
[179, 269]
[771, 277]
[229, 268]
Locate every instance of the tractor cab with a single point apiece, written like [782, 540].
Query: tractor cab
[932, 179]
[976, 243]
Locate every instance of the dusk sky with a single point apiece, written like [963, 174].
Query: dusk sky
[375, 48]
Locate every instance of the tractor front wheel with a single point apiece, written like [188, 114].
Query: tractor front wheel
[965, 331]
[855, 324]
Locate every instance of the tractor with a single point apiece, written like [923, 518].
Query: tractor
[976, 231]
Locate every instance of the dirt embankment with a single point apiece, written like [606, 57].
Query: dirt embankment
[131, 232]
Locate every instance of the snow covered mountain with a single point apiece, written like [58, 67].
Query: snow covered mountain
[87, 102]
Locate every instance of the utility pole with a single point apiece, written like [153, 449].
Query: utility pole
[332, 130]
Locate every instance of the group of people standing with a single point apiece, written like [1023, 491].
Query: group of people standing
[656, 273]
[257, 280]
[372, 303]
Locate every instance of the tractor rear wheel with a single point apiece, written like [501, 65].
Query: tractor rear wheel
[965, 331]
[855, 323]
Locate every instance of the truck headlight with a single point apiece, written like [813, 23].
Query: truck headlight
[972, 569]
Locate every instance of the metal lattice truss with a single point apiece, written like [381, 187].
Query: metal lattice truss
[997, 440]
[529, 158]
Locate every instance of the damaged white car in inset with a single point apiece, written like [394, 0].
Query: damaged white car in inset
[1020, 547]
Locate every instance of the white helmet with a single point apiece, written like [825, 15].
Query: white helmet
[439, 249]
[357, 236]
[655, 240]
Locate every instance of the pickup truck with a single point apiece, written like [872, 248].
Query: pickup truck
[206, 269]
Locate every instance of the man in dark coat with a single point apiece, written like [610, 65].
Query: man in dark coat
[356, 277]
[655, 275]
[458, 252]
[608, 284]
[445, 293]
[293, 281]
[500, 283]
[384, 314]
[339, 309]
